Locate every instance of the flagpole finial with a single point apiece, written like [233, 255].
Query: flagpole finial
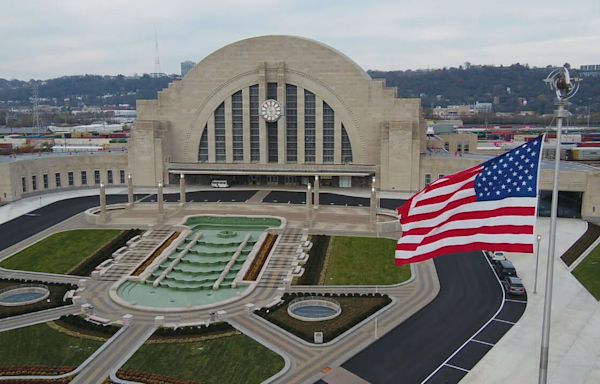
[562, 84]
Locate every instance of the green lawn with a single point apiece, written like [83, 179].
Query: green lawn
[41, 345]
[362, 261]
[61, 252]
[588, 273]
[232, 359]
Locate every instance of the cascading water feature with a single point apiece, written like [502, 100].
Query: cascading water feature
[202, 269]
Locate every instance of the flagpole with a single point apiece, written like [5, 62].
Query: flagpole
[543, 374]
[565, 88]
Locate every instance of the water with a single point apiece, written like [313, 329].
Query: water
[21, 297]
[314, 311]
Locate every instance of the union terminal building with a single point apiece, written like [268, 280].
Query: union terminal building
[279, 110]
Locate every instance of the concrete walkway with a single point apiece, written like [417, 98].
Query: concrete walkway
[575, 332]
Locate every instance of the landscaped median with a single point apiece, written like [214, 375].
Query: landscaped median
[74, 252]
[199, 355]
[354, 309]
[588, 272]
[344, 260]
[52, 348]
[55, 299]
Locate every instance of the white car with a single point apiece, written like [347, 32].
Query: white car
[496, 256]
[219, 184]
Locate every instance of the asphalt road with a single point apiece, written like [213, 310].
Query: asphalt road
[288, 197]
[469, 296]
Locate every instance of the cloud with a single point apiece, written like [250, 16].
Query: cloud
[44, 39]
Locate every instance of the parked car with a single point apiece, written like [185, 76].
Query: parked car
[513, 285]
[505, 268]
[219, 184]
[496, 256]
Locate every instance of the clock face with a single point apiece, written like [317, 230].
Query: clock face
[270, 110]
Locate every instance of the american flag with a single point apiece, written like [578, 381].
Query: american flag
[488, 207]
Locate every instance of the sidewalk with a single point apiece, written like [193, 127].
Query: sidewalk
[575, 326]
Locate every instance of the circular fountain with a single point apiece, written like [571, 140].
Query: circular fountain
[23, 294]
[313, 308]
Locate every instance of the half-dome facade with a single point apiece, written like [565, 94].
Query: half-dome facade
[278, 110]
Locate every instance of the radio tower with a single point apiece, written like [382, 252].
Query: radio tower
[36, 109]
[157, 70]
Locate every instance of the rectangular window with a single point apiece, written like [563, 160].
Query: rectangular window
[466, 147]
[291, 118]
[34, 183]
[96, 177]
[45, 179]
[427, 179]
[272, 91]
[237, 118]
[272, 142]
[24, 184]
[328, 133]
[459, 147]
[254, 130]
[309, 127]
[57, 180]
[441, 175]
[71, 179]
[220, 133]
[109, 176]
[83, 177]
[447, 146]
[122, 176]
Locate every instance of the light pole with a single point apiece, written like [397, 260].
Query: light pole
[537, 262]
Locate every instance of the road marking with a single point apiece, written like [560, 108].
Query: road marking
[504, 321]
[480, 329]
[455, 367]
[516, 301]
[483, 342]
[32, 214]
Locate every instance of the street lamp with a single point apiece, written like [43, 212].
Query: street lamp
[537, 262]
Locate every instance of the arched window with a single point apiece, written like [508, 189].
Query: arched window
[346, 147]
[203, 151]
[254, 130]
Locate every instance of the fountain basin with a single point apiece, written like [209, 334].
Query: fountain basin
[23, 295]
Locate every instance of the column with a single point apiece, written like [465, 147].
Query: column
[130, 200]
[374, 201]
[181, 189]
[308, 205]
[316, 201]
[161, 203]
[102, 200]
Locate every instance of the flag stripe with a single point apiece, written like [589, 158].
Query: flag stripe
[424, 197]
[409, 245]
[465, 191]
[516, 212]
[471, 247]
[437, 218]
[478, 238]
[415, 237]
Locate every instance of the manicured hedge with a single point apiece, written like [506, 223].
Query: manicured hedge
[80, 325]
[89, 264]
[176, 333]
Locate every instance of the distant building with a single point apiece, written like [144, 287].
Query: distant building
[186, 66]
[482, 107]
[589, 70]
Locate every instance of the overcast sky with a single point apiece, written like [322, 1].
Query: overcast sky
[43, 39]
